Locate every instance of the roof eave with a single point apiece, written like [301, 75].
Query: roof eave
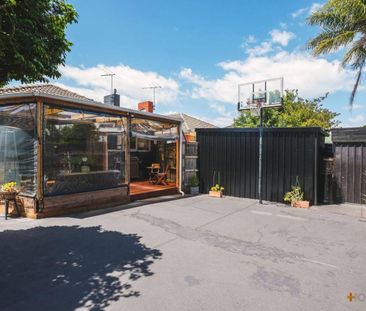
[91, 104]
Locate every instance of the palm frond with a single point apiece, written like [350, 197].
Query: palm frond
[340, 15]
[356, 55]
[343, 24]
[328, 42]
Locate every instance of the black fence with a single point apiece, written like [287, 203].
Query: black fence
[230, 157]
[348, 182]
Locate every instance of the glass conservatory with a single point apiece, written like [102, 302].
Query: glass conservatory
[68, 153]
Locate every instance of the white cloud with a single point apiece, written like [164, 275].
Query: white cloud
[307, 10]
[282, 37]
[315, 7]
[226, 117]
[248, 41]
[299, 12]
[355, 121]
[220, 121]
[312, 76]
[354, 107]
[261, 49]
[128, 81]
[278, 39]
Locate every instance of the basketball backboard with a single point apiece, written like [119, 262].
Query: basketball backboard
[265, 94]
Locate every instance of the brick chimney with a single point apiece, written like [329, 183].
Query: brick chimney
[147, 106]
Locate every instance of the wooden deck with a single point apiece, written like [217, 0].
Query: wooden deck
[144, 190]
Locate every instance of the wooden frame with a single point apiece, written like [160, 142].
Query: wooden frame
[44, 206]
[39, 122]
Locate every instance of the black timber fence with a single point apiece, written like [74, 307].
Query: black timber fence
[229, 156]
[347, 180]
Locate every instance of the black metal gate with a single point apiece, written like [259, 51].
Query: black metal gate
[230, 157]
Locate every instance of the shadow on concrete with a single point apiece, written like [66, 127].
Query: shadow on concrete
[63, 268]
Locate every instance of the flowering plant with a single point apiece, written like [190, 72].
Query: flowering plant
[296, 194]
[217, 188]
[9, 187]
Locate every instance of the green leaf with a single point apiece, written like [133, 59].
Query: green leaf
[343, 24]
[295, 112]
[33, 42]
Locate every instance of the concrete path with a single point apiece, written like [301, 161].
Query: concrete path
[196, 253]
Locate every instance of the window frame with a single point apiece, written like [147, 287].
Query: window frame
[36, 143]
[66, 107]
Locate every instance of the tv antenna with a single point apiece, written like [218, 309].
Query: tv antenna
[154, 90]
[110, 75]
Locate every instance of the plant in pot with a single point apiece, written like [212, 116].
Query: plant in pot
[296, 198]
[216, 191]
[194, 185]
[8, 190]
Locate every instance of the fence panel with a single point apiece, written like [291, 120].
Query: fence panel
[230, 157]
[349, 182]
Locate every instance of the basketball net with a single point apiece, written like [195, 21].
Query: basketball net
[255, 108]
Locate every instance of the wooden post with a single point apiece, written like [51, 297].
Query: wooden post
[105, 152]
[127, 150]
[39, 114]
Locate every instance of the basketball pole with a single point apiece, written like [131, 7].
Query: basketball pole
[258, 102]
[260, 152]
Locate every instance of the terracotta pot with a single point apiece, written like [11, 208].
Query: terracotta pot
[300, 204]
[216, 194]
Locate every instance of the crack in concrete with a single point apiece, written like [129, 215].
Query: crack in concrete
[228, 244]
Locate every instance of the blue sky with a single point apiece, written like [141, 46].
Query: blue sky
[198, 51]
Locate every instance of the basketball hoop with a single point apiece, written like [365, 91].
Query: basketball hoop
[255, 110]
[260, 94]
[253, 97]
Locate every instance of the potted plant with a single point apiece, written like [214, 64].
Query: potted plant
[216, 191]
[194, 185]
[8, 191]
[296, 198]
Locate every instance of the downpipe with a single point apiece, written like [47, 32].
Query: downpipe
[181, 160]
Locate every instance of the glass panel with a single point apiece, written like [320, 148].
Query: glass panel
[133, 144]
[154, 130]
[143, 144]
[84, 150]
[155, 143]
[18, 145]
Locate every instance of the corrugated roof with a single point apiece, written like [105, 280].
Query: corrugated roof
[48, 89]
[190, 123]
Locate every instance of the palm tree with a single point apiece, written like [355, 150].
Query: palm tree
[343, 24]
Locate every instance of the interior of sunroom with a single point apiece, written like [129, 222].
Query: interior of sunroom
[154, 148]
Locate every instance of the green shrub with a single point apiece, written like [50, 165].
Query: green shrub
[295, 194]
[193, 181]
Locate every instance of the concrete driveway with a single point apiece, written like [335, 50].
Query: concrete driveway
[196, 253]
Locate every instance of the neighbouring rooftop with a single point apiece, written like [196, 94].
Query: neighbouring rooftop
[190, 124]
[44, 89]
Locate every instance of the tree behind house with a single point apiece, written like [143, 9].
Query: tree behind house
[295, 112]
[32, 39]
